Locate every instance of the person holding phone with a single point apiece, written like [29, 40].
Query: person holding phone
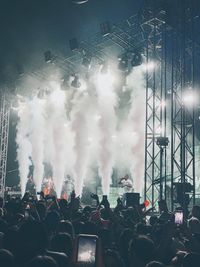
[87, 251]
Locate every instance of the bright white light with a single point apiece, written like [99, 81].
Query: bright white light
[90, 139]
[149, 66]
[160, 103]
[97, 117]
[21, 107]
[83, 86]
[133, 133]
[105, 80]
[85, 256]
[159, 130]
[163, 104]
[189, 98]
[57, 97]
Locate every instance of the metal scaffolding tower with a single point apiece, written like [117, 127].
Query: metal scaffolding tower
[183, 108]
[169, 90]
[4, 129]
[153, 24]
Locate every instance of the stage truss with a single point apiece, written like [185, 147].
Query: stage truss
[4, 130]
[176, 54]
[170, 171]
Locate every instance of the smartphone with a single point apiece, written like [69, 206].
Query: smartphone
[26, 214]
[178, 217]
[87, 250]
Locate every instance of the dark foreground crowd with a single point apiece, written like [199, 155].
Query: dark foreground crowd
[46, 233]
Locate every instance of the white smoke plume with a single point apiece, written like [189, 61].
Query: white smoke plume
[23, 144]
[136, 120]
[107, 127]
[81, 143]
[37, 129]
[79, 130]
[56, 136]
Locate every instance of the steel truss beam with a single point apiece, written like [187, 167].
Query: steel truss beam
[175, 48]
[155, 156]
[4, 129]
[182, 111]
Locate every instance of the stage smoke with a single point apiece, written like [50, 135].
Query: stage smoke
[56, 136]
[136, 119]
[37, 129]
[81, 144]
[23, 144]
[107, 127]
[82, 131]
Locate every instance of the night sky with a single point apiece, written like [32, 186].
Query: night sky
[30, 27]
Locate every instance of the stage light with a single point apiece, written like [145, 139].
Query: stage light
[75, 82]
[86, 62]
[123, 63]
[162, 104]
[73, 44]
[20, 70]
[162, 141]
[90, 139]
[79, 2]
[158, 130]
[104, 68]
[42, 93]
[136, 60]
[15, 104]
[105, 28]
[149, 66]
[97, 117]
[58, 97]
[105, 80]
[48, 56]
[189, 98]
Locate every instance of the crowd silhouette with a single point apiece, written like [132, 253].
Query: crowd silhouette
[45, 232]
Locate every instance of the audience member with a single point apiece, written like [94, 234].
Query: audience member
[47, 236]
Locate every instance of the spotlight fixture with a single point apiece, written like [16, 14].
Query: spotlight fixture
[104, 68]
[162, 141]
[136, 60]
[86, 62]
[79, 2]
[76, 83]
[105, 28]
[123, 63]
[189, 97]
[20, 70]
[48, 56]
[73, 44]
[41, 93]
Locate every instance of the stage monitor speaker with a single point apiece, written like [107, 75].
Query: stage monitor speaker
[132, 199]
